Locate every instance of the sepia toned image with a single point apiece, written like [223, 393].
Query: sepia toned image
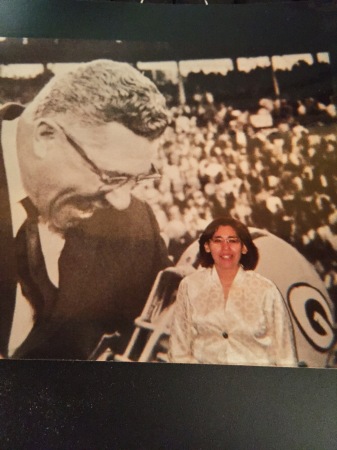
[117, 157]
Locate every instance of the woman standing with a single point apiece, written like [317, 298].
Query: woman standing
[227, 313]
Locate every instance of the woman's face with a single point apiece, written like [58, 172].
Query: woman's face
[226, 248]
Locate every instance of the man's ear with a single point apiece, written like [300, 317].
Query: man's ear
[207, 248]
[45, 133]
[244, 250]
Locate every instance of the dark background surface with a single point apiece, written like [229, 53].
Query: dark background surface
[85, 405]
[70, 405]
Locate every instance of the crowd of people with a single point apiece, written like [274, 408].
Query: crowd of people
[273, 167]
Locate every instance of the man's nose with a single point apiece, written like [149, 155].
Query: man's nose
[120, 198]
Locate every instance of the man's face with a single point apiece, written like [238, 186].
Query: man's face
[68, 187]
[199, 198]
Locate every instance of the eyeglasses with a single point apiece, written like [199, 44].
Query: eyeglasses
[110, 178]
[230, 240]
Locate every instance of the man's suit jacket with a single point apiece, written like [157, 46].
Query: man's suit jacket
[8, 275]
[106, 270]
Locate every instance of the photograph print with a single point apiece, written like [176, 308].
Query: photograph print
[163, 209]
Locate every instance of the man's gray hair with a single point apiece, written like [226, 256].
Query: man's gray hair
[103, 91]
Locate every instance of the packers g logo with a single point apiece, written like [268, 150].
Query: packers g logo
[312, 315]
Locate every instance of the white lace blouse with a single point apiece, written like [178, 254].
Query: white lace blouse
[251, 328]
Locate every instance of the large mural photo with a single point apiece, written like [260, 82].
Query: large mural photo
[116, 157]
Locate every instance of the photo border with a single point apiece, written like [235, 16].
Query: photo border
[83, 404]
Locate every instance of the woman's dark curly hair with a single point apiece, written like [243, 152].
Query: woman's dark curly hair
[248, 260]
